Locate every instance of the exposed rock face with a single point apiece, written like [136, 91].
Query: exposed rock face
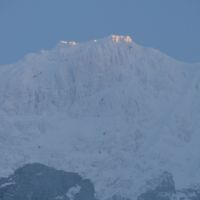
[163, 188]
[189, 194]
[118, 197]
[39, 182]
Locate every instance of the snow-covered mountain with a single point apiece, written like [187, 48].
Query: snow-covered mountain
[112, 110]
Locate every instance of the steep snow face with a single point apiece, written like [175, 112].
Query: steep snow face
[114, 111]
[54, 80]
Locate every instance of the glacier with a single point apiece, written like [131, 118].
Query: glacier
[110, 109]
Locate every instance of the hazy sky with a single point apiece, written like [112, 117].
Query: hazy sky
[173, 26]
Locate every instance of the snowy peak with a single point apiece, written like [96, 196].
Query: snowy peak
[70, 43]
[57, 79]
[110, 109]
[121, 38]
[114, 38]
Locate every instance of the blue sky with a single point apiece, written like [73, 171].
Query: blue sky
[172, 26]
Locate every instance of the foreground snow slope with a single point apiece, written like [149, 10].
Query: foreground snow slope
[111, 110]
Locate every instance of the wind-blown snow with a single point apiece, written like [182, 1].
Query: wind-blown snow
[110, 109]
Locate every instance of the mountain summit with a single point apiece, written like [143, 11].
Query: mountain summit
[114, 38]
[109, 109]
[55, 80]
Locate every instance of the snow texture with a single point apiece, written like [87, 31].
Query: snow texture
[109, 109]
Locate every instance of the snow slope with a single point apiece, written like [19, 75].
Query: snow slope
[109, 109]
